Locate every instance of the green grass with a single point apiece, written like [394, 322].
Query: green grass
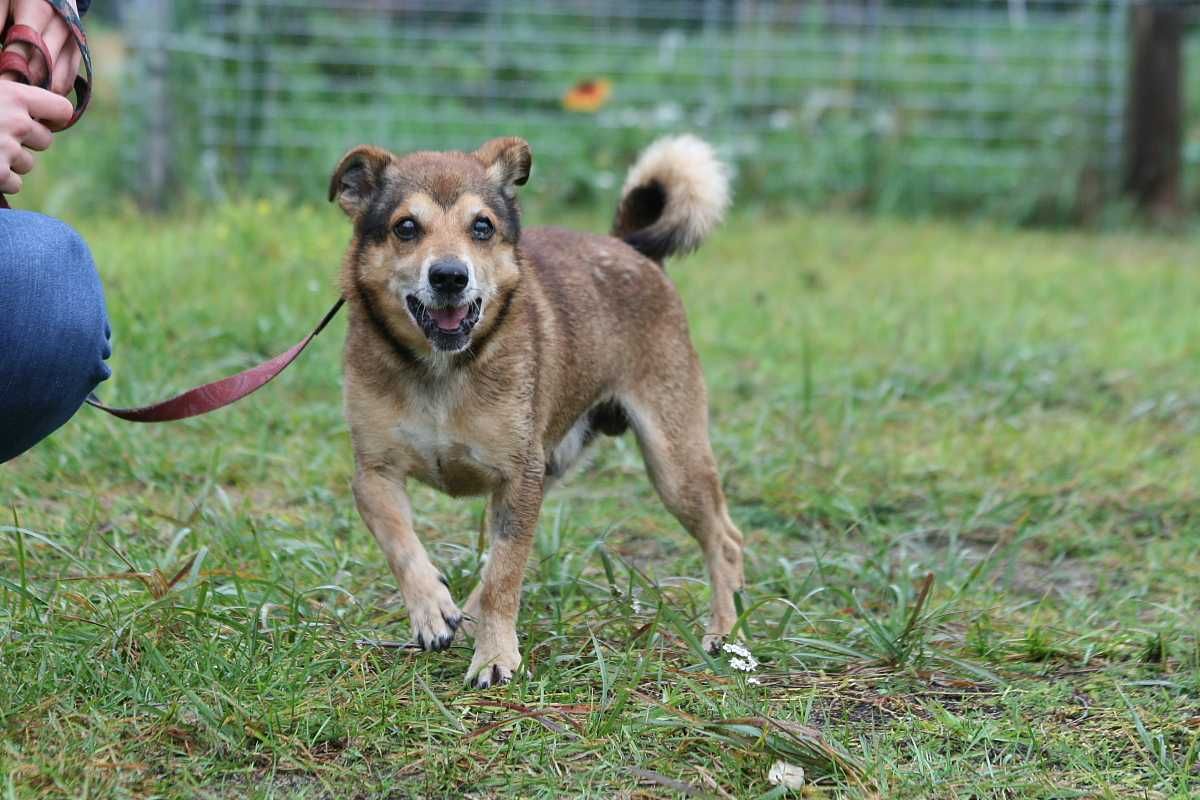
[964, 459]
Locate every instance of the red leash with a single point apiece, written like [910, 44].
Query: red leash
[218, 394]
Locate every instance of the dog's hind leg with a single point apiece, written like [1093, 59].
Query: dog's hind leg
[384, 506]
[672, 431]
[512, 518]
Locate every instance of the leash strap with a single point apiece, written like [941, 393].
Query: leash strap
[83, 83]
[217, 394]
[12, 61]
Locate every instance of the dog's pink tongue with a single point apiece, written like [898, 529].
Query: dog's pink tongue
[448, 319]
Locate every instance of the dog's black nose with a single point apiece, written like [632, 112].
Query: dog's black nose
[449, 276]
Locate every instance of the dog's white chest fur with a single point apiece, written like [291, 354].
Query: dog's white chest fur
[446, 457]
[427, 441]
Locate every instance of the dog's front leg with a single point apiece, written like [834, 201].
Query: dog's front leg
[513, 513]
[383, 503]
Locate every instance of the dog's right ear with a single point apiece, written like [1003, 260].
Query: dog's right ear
[507, 161]
[359, 175]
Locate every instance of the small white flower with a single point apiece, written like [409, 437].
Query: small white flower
[637, 607]
[736, 649]
[742, 660]
[754, 681]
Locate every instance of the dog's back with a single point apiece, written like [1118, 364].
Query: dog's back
[614, 319]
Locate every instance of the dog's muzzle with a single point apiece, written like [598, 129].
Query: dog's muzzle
[446, 309]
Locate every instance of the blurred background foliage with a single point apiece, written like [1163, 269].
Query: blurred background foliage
[1010, 110]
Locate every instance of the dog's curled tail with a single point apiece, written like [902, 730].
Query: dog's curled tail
[674, 196]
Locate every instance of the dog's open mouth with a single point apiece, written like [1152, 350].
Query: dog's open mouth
[448, 326]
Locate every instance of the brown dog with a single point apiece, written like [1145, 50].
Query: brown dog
[481, 359]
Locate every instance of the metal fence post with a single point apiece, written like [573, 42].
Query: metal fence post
[1114, 83]
[149, 24]
[249, 86]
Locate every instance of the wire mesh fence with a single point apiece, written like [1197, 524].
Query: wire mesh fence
[1013, 106]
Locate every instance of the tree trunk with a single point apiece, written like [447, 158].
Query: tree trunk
[1154, 108]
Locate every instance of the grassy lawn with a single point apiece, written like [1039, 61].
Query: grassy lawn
[965, 460]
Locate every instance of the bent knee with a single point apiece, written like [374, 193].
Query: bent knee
[51, 279]
[53, 323]
[50, 244]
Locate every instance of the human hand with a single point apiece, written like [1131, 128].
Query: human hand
[64, 50]
[26, 115]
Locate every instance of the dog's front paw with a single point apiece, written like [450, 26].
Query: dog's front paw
[496, 659]
[434, 618]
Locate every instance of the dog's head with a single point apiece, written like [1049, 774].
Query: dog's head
[435, 238]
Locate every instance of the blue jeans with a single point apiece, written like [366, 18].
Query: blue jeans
[53, 328]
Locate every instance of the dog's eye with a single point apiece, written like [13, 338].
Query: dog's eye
[406, 229]
[483, 229]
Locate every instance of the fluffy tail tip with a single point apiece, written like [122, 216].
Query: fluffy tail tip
[673, 198]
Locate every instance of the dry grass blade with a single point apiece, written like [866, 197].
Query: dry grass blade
[525, 712]
[183, 570]
[685, 789]
[388, 644]
[793, 740]
[155, 581]
[711, 782]
[561, 708]
[536, 715]
[922, 596]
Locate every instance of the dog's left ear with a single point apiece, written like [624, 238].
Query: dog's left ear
[358, 176]
[507, 161]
